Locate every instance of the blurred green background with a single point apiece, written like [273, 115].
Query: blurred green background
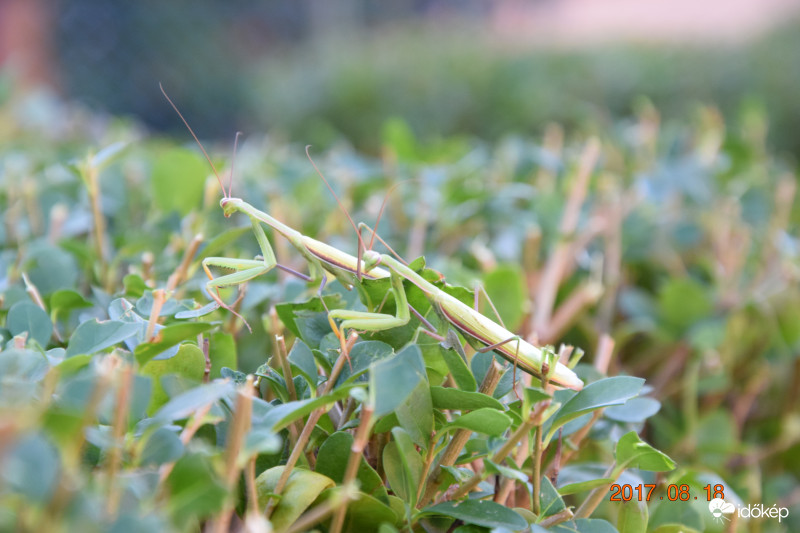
[321, 71]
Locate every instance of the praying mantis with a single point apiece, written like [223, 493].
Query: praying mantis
[350, 270]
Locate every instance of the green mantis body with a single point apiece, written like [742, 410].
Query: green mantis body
[469, 321]
[347, 268]
[320, 256]
[350, 270]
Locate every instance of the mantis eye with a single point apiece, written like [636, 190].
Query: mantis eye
[228, 207]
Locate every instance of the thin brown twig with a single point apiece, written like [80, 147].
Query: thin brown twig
[554, 268]
[283, 361]
[179, 275]
[236, 436]
[321, 511]
[311, 423]
[508, 446]
[353, 462]
[605, 349]
[459, 439]
[158, 302]
[192, 426]
[119, 427]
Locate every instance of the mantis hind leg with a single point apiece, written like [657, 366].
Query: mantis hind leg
[480, 289]
[491, 347]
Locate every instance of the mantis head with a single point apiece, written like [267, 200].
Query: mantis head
[229, 205]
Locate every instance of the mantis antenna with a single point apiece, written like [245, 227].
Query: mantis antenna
[341, 206]
[226, 194]
[374, 230]
[233, 161]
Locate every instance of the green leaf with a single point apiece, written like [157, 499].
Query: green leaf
[217, 245]
[50, 268]
[632, 516]
[398, 137]
[107, 155]
[675, 528]
[93, 336]
[684, 302]
[594, 525]
[415, 414]
[32, 468]
[282, 415]
[261, 441]
[65, 300]
[366, 513]
[362, 355]
[185, 404]
[332, 462]
[507, 471]
[302, 361]
[449, 398]
[456, 360]
[486, 421]
[168, 337]
[550, 500]
[505, 285]
[189, 363]
[70, 366]
[403, 466]
[479, 512]
[392, 380]
[134, 285]
[632, 452]
[301, 490]
[677, 516]
[708, 334]
[144, 305]
[222, 353]
[583, 486]
[195, 490]
[634, 410]
[308, 320]
[597, 395]
[178, 180]
[28, 317]
[162, 446]
[198, 312]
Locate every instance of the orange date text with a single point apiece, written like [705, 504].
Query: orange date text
[645, 492]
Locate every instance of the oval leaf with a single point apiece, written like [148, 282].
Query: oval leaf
[28, 317]
[633, 452]
[487, 421]
[300, 491]
[449, 398]
[93, 336]
[168, 337]
[602, 393]
[392, 380]
[481, 513]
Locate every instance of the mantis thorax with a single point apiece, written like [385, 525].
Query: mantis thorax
[371, 259]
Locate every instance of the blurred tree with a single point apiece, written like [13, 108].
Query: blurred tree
[25, 44]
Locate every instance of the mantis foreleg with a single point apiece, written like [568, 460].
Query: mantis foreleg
[367, 321]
